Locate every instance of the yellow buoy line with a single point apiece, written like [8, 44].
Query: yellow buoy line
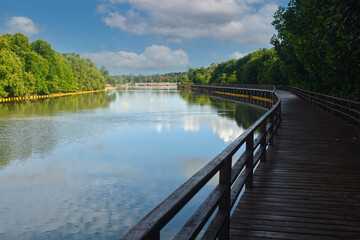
[11, 99]
[238, 95]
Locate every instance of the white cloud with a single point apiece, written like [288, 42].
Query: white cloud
[237, 55]
[155, 57]
[228, 20]
[254, 1]
[21, 24]
[102, 9]
[226, 129]
[132, 22]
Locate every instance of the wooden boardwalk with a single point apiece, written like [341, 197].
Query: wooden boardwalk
[309, 187]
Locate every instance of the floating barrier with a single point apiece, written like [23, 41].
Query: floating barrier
[249, 96]
[34, 97]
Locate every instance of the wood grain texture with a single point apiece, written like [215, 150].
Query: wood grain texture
[309, 187]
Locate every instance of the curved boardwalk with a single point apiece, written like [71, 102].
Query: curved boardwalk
[309, 187]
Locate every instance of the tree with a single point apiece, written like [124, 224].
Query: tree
[184, 78]
[11, 80]
[259, 67]
[319, 45]
[232, 78]
[39, 68]
[27, 68]
[108, 79]
[20, 44]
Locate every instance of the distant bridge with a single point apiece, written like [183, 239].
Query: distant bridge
[305, 187]
[156, 84]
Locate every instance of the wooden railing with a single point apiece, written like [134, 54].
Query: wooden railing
[232, 179]
[346, 109]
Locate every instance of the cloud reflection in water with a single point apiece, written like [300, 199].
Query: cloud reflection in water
[93, 173]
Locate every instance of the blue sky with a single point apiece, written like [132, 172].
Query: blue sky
[145, 36]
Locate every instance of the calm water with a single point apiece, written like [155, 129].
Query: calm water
[90, 166]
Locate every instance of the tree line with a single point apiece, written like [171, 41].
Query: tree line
[317, 48]
[141, 78]
[35, 68]
[259, 67]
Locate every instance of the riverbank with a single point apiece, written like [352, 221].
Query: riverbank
[161, 84]
[111, 87]
[34, 97]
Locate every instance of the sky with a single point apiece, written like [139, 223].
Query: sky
[145, 36]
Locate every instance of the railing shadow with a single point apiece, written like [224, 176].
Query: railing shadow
[346, 109]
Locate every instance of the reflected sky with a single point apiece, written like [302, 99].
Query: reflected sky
[90, 166]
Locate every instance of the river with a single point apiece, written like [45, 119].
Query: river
[90, 166]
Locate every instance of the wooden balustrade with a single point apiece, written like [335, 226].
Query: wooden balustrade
[346, 109]
[232, 177]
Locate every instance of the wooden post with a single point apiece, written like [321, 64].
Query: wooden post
[279, 116]
[224, 205]
[263, 141]
[277, 122]
[249, 162]
[272, 128]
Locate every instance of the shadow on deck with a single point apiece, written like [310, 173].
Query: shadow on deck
[309, 187]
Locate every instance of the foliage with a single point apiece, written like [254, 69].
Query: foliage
[319, 45]
[317, 48]
[35, 68]
[259, 67]
[167, 77]
[108, 79]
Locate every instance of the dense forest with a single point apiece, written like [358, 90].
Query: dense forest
[317, 47]
[258, 67]
[35, 68]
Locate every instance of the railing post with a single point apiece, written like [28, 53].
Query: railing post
[271, 128]
[278, 112]
[224, 205]
[263, 141]
[250, 161]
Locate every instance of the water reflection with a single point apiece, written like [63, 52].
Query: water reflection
[244, 114]
[90, 166]
[32, 127]
[53, 106]
[226, 130]
[190, 166]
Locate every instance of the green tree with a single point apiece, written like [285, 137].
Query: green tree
[156, 78]
[39, 68]
[28, 68]
[86, 75]
[232, 78]
[52, 79]
[319, 45]
[184, 78]
[108, 79]
[11, 79]
[259, 67]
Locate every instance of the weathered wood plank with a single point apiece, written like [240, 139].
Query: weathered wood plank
[309, 187]
[202, 214]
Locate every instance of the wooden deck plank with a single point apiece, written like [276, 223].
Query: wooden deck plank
[309, 187]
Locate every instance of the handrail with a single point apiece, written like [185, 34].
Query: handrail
[231, 178]
[346, 109]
